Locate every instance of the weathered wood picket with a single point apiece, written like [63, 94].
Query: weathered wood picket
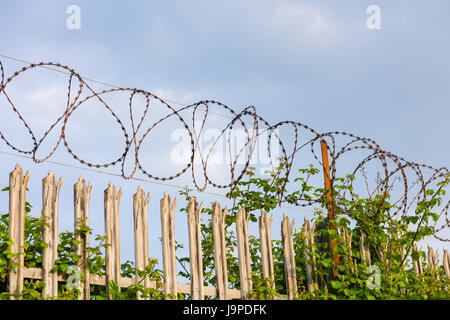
[140, 209]
[244, 252]
[17, 188]
[266, 248]
[50, 199]
[82, 194]
[195, 249]
[81, 197]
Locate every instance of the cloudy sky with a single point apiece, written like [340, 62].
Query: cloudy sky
[315, 62]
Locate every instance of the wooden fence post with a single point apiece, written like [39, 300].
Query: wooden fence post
[243, 252]
[382, 251]
[17, 189]
[446, 263]
[433, 261]
[50, 197]
[220, 253]
[347, 242]
[289, 258]
[112, 254]
[266, 248]
[417, 265]
[308, 241]
[195, 249]
[168, 246]
[140, 210]
[81, 199]
[312, 233]
[364, 250]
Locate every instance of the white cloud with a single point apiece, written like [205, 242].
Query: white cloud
[300, 22]
[185, 97]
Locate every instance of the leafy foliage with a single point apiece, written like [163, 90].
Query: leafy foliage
[389, 241]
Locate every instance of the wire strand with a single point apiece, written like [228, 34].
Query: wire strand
[171, 185]
[163, 99]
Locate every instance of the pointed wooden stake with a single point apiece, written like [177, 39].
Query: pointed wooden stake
[50, 196]
[289, 258]
[195, 249]
[82, 196]
[220, 253]
[168, 246]
[112, 256]
[140, 210]
[266, 248]
[17, 189]
[243, 252]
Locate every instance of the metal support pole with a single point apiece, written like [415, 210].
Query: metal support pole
[331, 215]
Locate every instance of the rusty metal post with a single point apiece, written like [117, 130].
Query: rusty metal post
[331, 215]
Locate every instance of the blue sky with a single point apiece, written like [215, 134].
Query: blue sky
[314, 62]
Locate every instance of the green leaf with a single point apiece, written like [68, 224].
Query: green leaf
[336, 284]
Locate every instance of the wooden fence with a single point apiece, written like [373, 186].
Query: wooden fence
[82, 192]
